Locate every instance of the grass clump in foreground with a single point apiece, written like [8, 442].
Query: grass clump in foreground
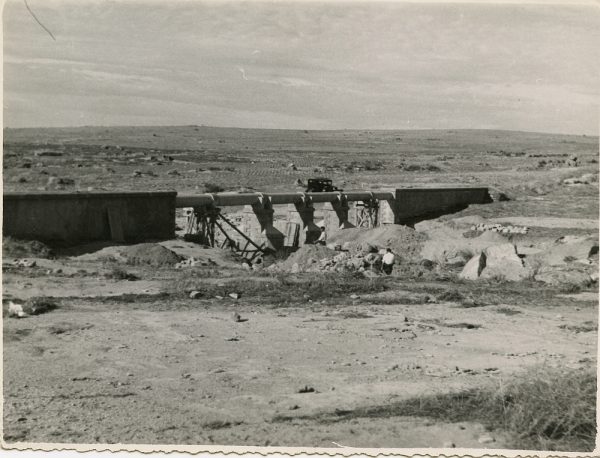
[545, 409]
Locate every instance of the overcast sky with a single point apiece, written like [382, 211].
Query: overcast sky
[302, 65]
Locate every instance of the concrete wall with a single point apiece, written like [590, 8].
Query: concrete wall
[414, 205]
[137, 216]
[81, 217]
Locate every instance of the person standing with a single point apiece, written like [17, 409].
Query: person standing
[322, 240]
[388, 262]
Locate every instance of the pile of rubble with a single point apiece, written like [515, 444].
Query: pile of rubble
[312, 258]
[193, 262]
[482, 227]
[152, 254]
[400, 239]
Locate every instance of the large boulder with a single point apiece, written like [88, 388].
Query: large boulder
[569, 249]
[446, 243]
[473, 268]
[562, 276]
[502, 261]
[498, 261]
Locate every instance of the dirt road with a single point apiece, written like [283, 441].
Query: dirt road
[100, 372]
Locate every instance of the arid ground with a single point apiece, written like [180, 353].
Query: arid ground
[270, 357]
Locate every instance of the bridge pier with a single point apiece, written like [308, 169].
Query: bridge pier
[305, 212]
[341, 208]
[272, 237]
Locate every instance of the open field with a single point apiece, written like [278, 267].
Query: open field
[305, 358]
[186, 158]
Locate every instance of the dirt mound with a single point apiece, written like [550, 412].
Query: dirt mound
[15, 248]
[403, 240]
[306, 255]
[150, 254]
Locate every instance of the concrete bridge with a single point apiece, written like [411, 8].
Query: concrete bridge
[72, 217]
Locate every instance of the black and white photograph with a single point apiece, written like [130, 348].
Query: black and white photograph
[327, 226]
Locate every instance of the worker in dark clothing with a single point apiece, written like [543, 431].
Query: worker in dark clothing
[322, 240]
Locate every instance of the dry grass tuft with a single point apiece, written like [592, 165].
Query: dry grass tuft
[544, 409]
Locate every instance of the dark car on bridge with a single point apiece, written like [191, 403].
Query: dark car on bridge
[321, 185]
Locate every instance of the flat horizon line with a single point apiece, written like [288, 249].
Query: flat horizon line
[149, 126]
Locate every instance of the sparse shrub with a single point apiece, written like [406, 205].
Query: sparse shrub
[16, 248]
[571, 288]
[586, 326]
[118, 273]
[284, 289]
[498, 278]
[550, 409]
[38, 305]
[213, 187]
[507, 311]
[427, 264]
[543, 409]
[451, 296]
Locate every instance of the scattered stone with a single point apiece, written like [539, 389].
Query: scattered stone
[234, 295]
[56, 181]
[16, 310]
[306, 389]
[196, 294]
[25, 263]
[354, 296]
[236, 317]
[497, 195]
[448, 444]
